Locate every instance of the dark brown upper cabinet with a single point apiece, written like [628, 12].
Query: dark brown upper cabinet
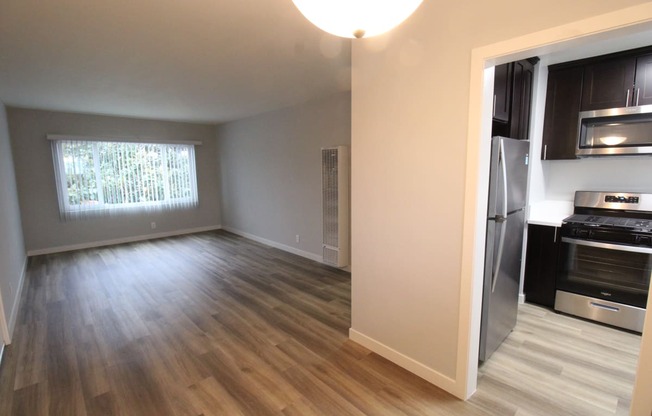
[513, 99]
[619, 82]
[608, 84]
[521, 99]
[563, 99]
[643, 85]
[502, 92]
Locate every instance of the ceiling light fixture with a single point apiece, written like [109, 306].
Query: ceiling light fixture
[356, 18]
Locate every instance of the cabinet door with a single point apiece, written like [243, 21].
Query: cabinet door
[608, 84]
[502, 92]
[541, 265]
[643, 91]
[560, 123]
[521, 100]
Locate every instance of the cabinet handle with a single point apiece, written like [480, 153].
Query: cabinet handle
[494, 110]
[638, 92]
[627, 99]
[554, 240]
[545, 152]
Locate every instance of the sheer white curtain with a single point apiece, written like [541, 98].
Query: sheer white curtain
[100, 178]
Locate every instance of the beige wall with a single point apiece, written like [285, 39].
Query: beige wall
[410, 109]
[42, 228]
[271, 171]
[12, 247]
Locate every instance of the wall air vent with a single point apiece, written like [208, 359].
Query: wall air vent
[335, 202]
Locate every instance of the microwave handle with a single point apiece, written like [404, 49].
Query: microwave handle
[619, 247]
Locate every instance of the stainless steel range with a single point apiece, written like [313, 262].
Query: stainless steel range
[605, 261]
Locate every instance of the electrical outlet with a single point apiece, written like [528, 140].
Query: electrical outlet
[153, 225]
[297, 238]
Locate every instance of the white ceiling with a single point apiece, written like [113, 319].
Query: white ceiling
[191, 60]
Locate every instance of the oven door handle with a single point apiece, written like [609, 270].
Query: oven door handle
[609, 246]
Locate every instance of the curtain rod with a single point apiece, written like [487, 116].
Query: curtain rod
[121, 139]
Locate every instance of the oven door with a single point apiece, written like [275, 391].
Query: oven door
[615, 272]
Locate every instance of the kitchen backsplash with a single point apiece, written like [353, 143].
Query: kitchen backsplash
[564, 177]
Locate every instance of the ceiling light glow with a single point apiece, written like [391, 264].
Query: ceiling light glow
[356, 18]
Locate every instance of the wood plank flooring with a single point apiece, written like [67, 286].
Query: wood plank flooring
[560, 365]
[214, 324]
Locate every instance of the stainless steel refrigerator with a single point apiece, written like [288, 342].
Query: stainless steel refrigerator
[503, 254]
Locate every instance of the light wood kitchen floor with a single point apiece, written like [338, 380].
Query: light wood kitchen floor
[554, 364]
[214, 324]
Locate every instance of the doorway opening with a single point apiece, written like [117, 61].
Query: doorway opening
[621, 30]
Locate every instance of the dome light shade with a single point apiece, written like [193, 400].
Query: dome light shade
[356, 18]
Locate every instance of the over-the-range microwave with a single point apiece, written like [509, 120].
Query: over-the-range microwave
[615, 131]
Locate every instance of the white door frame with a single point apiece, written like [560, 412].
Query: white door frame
[625, 21]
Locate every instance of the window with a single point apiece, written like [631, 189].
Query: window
[105, 178]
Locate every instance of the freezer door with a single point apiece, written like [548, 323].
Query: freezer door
[508, 175]
[501, 279]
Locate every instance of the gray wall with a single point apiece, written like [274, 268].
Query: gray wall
[271, 170]
[12, 247]
[42, 227]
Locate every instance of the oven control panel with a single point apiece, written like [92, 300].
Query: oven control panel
[620, 199]
[614, 200]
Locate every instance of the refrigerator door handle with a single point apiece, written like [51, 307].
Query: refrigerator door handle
[502, 161]
[500, 221]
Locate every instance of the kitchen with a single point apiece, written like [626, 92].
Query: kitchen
[554, 176]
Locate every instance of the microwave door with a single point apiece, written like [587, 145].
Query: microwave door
[626, 131]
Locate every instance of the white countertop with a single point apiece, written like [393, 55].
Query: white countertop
[550, 213]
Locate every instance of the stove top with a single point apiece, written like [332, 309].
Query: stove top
[609, 221]
[618, 211]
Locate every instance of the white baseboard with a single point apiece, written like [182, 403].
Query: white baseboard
[93, 244]
[5, 337]
[440, 380]
[8, 323]
[17, 297]
[289, 249]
